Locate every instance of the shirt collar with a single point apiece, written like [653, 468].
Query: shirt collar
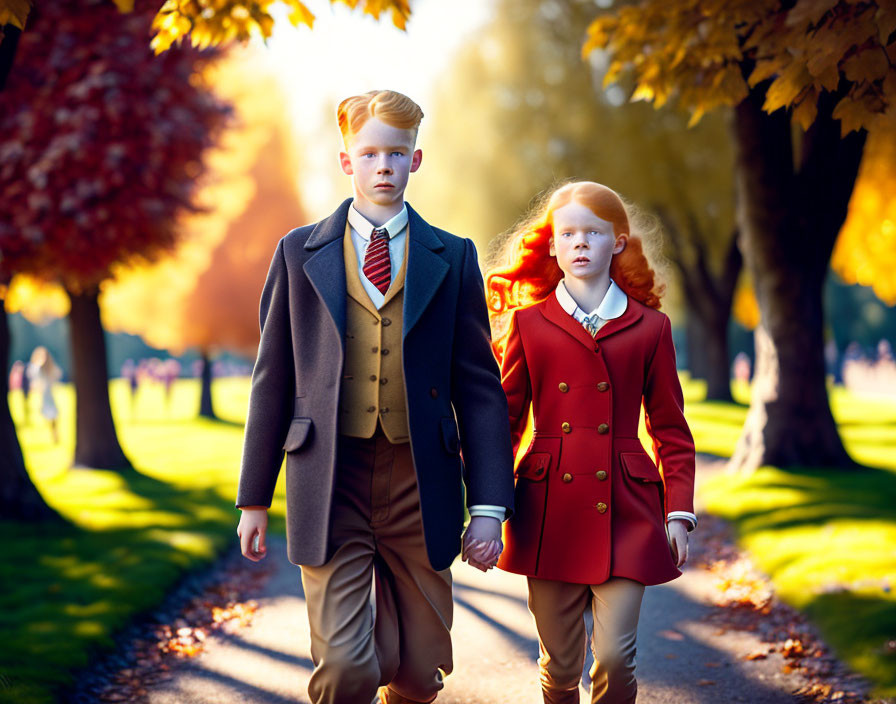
[364, 227]
[612, 306]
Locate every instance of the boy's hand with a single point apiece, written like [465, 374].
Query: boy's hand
[678, 540]
[252, 530]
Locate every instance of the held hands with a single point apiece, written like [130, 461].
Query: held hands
[252, 530]
[678, 540]
[482, 544]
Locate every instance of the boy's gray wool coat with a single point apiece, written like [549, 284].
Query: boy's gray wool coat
[457, 412]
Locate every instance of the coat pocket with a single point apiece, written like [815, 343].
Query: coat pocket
[450, 438]
[299, 431]
[640, 467]
[534, 466]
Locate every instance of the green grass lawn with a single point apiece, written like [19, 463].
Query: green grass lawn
[67, 590]
[827, 539]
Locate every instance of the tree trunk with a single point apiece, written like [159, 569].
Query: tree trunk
[788, 222]
[709, 297]
[695, 336]
[718, 365]
[206, 409]
[19, 498]
[8, 46]
[96, 444]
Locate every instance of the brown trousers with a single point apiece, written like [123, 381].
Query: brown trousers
[559, 609]
[377, 538]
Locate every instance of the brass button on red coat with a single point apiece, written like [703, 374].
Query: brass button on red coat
[601, 507]
[601, 475]
[567, 478]
[563, 386]
[566, 427]
[603, 428]
[603, 386]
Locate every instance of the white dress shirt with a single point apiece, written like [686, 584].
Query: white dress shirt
[612, 306]
[361, 229]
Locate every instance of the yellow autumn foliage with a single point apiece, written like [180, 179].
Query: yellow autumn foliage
[14, 12]
[215, 22]
[865, 252]
[694, 51]
[148, 300]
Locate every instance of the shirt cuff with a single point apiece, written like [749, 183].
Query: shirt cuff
[686, 515]
[498, 512]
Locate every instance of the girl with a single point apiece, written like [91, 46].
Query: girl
[44, 373]
[595, 521]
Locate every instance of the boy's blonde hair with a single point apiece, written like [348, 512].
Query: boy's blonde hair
[393, 108]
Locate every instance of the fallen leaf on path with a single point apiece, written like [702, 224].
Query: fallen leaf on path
[670, 635]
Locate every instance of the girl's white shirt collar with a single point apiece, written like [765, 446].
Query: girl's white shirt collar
[612, 306]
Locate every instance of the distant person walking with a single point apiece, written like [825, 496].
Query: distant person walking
[43, 372]
[19, 380]
[129, 373]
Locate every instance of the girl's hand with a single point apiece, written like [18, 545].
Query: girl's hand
[678, 540]
[484, 555]
[482, 542]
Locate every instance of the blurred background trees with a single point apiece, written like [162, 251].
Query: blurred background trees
[806, 81]
[101, 149]
[521, 111]
[206, 297]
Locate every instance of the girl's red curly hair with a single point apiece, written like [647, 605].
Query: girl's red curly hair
[524, 272]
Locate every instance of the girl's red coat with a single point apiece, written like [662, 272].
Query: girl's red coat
[590, 502]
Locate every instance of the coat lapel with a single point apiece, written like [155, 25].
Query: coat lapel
[325, 268]
[425, 269]
[631, 316]
[553, 311]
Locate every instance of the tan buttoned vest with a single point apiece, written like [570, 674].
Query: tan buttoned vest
[372, 380]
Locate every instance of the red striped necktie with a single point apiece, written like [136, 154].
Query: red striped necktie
[377, 265]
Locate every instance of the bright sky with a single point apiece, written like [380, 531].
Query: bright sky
[347, 53]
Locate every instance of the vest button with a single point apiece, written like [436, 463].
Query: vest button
[385, 352]
[601, 507]
[373, 377]
[384, 410]
[601, 475]
[371, 409]
[374, 349]
[603, 386]
[566, 427]
[567, 478]
[603, 428]
[434, 392]
[383, 381]
[386, 322]
[564, 387]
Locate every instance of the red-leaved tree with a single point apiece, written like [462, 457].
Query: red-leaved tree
[101, 145]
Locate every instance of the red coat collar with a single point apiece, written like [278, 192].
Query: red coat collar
[553, 311]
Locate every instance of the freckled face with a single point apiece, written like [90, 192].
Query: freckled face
[583, 243]
[380, 158]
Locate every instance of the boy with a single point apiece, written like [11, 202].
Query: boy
[374, 371]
